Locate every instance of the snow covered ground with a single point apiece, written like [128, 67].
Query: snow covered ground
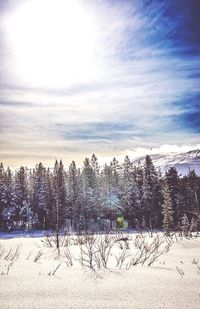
[27, 278]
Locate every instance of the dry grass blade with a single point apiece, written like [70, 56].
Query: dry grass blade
[180, 271]
[69, 259]
[38, 256]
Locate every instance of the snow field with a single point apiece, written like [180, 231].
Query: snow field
[40, 277]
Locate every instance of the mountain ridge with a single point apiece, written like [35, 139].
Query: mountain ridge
[183, 162]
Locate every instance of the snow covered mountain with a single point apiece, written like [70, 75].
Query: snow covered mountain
[184, 162]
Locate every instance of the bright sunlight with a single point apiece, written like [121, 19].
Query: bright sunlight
[52, 42]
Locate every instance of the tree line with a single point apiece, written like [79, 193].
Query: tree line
[81, 198]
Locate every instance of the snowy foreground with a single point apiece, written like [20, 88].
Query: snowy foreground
[33, 275]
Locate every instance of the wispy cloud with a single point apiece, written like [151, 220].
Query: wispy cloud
[142, 92]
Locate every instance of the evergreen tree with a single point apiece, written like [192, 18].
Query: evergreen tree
[175, 192]
[7, 195]
[115, 170]
[167, 210]
[185, 225]
[72, 195]
[40, 195]
[90, 192]
[50, 199]
[21, 199]
[151, 194]
[130, 195]
[60, 211]
[193, 225]
[193, 194]
[2, 190]
[96, 188]
[109, 195]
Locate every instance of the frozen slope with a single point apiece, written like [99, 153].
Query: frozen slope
[184, 162]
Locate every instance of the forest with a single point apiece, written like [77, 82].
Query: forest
[93, 197]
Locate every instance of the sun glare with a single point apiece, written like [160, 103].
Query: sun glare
[51, 42]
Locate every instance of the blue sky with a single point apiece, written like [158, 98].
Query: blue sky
[104, 77]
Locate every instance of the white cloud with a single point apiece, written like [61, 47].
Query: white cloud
[132, 82]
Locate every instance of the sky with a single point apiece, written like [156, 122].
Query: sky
[105, 77]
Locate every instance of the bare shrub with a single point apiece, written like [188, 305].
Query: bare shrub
[88, 251]
[95, 250]
[104, 247]
[147, 252]
[123, 238]
[68, 256]
[156, 249]
[122, 256]
[136, 259]
[55, 239]
[98, 260]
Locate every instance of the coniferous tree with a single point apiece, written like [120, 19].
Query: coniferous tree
[50, 198]
[139, 177]
[193, 206]
[193, 225]
[40, 195]
[167, 210]
[6, 198]
[130, 196]
[87, 190]
[24, 215]
[148, 191]
[2, 190]
[146, 200]
[115, 170]
[185, 225]
[175, 192]
[96, 189]
[72, 195]
[109, 195]
[59, 212]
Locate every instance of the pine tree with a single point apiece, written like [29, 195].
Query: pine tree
[115, 169]
[193, 225]
[109, 195]
[2, 190]
[7, 198]
[60, 212]
[175, 192]
[193, 194]
[50, 199]
[96, 188]
[185, 225]
[40, 195]
[90, 197]
[151, 194]
[21, 199]
[146, 200]
[72, 195]
[167, 210]
[130, 195]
